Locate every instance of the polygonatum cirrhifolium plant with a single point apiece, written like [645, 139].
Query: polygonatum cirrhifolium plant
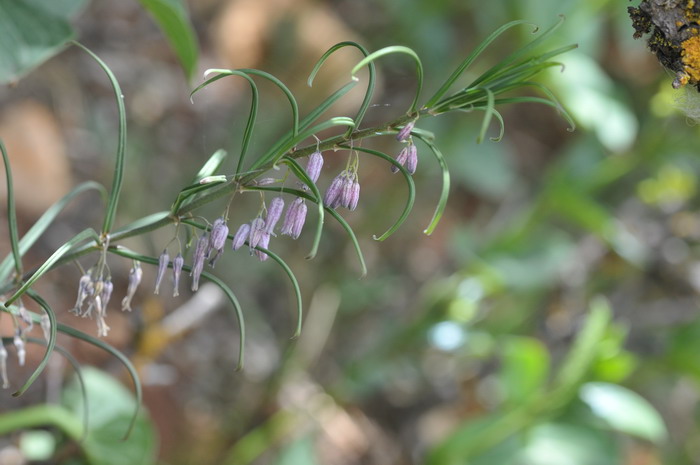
[286, 195]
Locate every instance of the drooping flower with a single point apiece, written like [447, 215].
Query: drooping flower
[264, 243]
[178, 263]
[401, 159]
[347, 192]
[405, 131]
[3, 366]
[273, 214]
[295, 218]
[106, 294]
[354, 195]
[19, 345]
[85, 288]
[45, 326]
[200, 255]
[412, 159]
[163, 261]
[313, 167]
[257, 230]
[135, 275]
[241, 236]
[219, 233]
[332, 196]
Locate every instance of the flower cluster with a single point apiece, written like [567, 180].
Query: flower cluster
[19, 341]
[95, 291]
[408, 156]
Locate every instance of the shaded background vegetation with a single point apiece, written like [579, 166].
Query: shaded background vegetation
[449, 349]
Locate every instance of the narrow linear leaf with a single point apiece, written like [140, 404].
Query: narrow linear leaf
[252, 114]
[310, 118]
[49, 346]
[353, 239]
[470, 59]
[295, 285]
[42, 224]
[119, 356]
[11, 213]
[173, 20]
[487, 116]
[301, 174]
[445, 191]
[212, 165]
[46, 266]
[78, 373]
[370, 84]
[121, 144]
[411, 191]
[396, 49]
[308, 132]
[287, 93]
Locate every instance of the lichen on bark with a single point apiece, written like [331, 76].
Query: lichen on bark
[674, 36]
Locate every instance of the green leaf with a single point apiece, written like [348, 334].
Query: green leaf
[445, 191]
[370, 83]
[46, 266]
[304, 177]
[110, 405]
[212, 165]
[51, 343]
[388, 51]
[173, 20]
[11, 214]
[45, 221]
[524, 368]
[252, 114]
[121, 144]
[411, 191]
[624, 410]
[31, 33]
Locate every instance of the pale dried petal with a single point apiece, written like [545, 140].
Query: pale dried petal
[264, 243]
[19, 345]
[257, 230]
[3, 366]
[163, 262]
[198, 259]
[178, 263]
[135, 275]
[219, 233]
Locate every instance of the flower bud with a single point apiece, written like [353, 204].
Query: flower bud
[257, 230]
[241, 236]
[163, 261]
[354, 195]
[332, 197]
[401, 159]
[264, 243]
[135, 275]
[412, 159]
[273, 214]
[178, 263]
[405, 131]
[313, 167]
[219, 233]
[346, 193]
[295, 218]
